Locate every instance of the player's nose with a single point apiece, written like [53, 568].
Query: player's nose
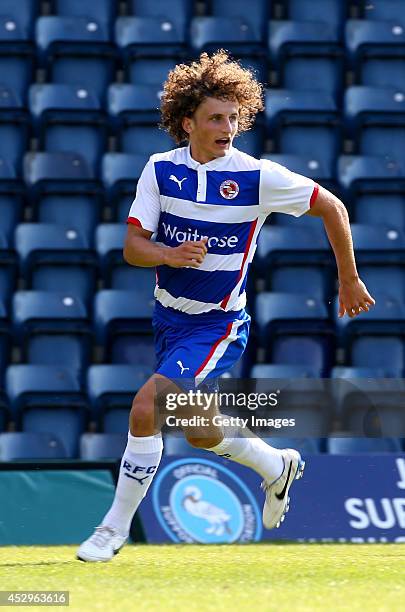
[227, 127]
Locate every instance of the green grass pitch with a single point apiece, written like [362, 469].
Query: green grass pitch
[240, 577]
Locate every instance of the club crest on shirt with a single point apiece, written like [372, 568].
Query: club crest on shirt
[229, 189]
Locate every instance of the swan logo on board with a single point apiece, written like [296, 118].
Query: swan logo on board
[196, 500]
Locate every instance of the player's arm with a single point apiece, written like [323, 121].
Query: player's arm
[139, 250]
[353, 294]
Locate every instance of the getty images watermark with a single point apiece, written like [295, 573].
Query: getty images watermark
[210, 401]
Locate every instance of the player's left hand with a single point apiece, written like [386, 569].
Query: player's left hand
[354, 298]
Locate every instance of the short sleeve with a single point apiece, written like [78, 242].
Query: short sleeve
[284, 191]
[145, 209]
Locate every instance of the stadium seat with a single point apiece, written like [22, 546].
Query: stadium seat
[379, 351]
[13, 127]
[301, 122]
[134, 118]
[177, 445]
[73, 212]
[382, 209]
[376, 51]
[357, 389]
[120, 175]
[47, 385]
[294, 330]
[62, 191]
[295, 260]
[331, 12]
[48, 398]
[149, 70]
[76, 51]
[97, 446]
[102, 11]
[141, 101]
[378, 245]
[11, 199]
[373, 406]
[4, 408]
[382, 10]
[269, 370]
[123, 326]
[30, 445]
[372, 185]
[348, 372]
[111, 389]
[303, 398]
[152, 36]
[252, 142]
[352, 446]
[255, 12]
[149, 47]
[375, 118]
[376, 339]
[109, 241]
[389, 279]
[382, 72]
[178, 12]
[16, 48]
[233, 32]
[55, 259]
[144, 140]
[5, 345]
[23, 12]
[52, 328]
[8, 270]
[116, 273]
[301, 49]
[68, 118]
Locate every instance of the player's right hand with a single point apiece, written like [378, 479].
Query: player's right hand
[189, 254]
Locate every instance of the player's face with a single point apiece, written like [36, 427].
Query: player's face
[212, 128]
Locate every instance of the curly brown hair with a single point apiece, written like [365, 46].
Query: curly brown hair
[218, 77]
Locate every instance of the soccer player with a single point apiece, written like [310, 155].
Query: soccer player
[206, 203]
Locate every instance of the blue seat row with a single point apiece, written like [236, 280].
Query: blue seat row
[82, 48]
[66, 118]
[53, 257]
[52, 328]
[61, 188]
[181, 11]
[29, 445]
[53, 399]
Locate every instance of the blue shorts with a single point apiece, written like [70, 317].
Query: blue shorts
[196, 349]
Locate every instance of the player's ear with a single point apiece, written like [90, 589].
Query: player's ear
[187, 124]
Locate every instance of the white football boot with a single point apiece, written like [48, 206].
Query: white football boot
[277, 501]
[102, 545]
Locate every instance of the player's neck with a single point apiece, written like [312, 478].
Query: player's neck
[200, 156]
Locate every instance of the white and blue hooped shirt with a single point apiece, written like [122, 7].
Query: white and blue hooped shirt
[226, 200]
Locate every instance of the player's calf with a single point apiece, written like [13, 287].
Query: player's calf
[204, 442]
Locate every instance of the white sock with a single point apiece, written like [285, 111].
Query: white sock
[252, 452]
[139, 464]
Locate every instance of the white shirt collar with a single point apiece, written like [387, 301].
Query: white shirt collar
[214, 164]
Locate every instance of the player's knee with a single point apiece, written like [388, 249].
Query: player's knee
[205, 442]
[142, 413]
